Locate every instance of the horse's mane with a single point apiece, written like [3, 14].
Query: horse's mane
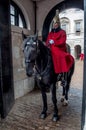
[42, 57]
[42, 47]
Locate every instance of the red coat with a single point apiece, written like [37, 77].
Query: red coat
[81, 56]
[61, 59]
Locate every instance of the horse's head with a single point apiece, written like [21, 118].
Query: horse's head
[30, 53]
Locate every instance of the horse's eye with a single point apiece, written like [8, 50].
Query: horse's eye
[34, 42]
[28, 43]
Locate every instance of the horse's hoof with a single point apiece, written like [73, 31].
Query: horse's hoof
[43, 115]
[65, 103]
[47, 90]
[55, 118]
[62, 99]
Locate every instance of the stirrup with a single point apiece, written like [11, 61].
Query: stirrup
[63, 83]
[59, 76]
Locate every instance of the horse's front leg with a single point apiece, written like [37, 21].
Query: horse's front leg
[44, 99]
[54, 99]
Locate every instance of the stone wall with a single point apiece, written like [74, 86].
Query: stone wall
[22, 84]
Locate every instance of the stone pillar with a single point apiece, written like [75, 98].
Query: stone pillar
[6, 70]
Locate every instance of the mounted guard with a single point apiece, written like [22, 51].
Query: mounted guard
[56, 41]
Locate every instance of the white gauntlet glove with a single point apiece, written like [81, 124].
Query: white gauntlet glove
[51, 41]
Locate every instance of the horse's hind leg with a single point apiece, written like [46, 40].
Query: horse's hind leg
[65, 85]
[63, 94]
[66, 95]
[67, 89]
[44, 98]
[55, 115]
[64, 98]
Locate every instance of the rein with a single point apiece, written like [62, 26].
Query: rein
[45, 70]
[29, 61]
[40, 74]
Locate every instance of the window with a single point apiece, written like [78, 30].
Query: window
[16, 16]
[12, 12]
[77, 10]
[78, 27]
[63, 26]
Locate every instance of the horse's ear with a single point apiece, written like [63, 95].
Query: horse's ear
[23, 35]
[36, 36]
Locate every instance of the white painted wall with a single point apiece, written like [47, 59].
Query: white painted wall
[72, 38]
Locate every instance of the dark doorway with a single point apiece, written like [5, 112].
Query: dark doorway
[68, 48]
[6, 74]
[77, 50]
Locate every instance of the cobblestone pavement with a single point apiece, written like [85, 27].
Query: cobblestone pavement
[26, 110]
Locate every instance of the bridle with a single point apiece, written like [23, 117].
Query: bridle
[38, 73]
[37, 50]
[29, 61]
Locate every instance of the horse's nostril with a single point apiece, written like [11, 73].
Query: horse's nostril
[29, 74]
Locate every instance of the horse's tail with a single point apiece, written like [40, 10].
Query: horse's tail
[72, 69]
[70, 73]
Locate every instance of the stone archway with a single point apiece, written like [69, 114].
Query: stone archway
[62, 6]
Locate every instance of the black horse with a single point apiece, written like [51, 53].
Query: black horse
[39, 63]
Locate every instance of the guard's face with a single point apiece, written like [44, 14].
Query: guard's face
[55, 24]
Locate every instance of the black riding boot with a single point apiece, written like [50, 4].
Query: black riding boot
[59, 76]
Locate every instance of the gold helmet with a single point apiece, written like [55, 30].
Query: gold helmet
[56, 17]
